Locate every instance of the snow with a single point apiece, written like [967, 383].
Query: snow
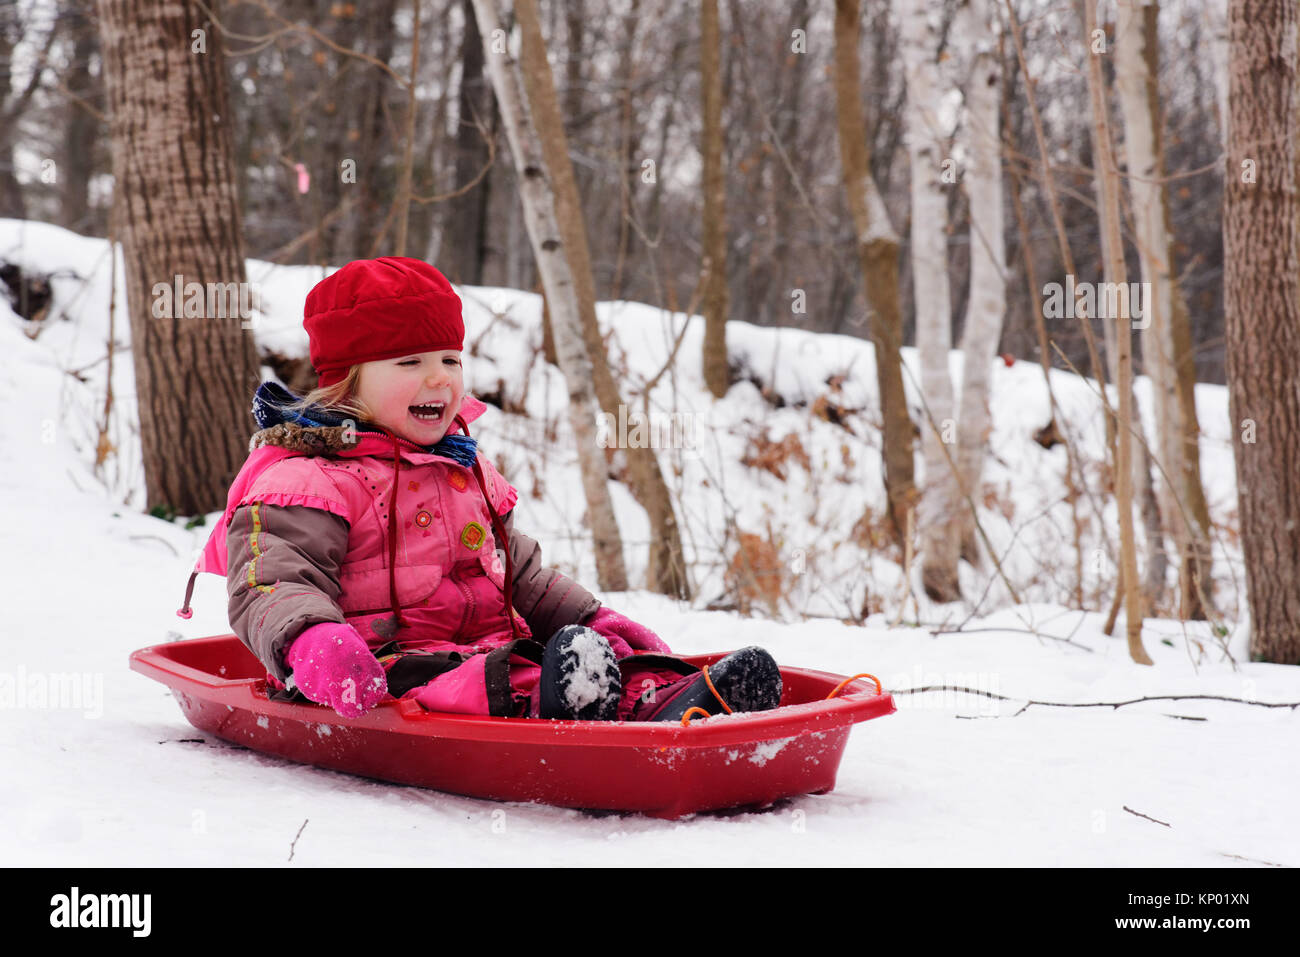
[591, 670]
[951, 779]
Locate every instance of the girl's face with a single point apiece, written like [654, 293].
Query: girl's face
[416, 396]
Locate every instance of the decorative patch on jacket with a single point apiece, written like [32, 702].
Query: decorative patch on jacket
[472, 536]
[319, 440]
[458, 481]
[384, 627]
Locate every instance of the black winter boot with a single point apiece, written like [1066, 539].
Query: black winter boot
[747, 680]
[580, 679]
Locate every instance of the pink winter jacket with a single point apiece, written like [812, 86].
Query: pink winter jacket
[307, 541]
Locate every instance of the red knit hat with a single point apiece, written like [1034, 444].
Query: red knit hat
[380, 309]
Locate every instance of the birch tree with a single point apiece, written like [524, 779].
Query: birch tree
[938, 515]
[666, 568]
[974, 31]
[1166, 336]
[551, 254]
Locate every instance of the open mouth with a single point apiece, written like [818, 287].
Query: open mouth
[428, 413]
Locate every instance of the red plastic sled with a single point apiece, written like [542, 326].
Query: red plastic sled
[661, 769]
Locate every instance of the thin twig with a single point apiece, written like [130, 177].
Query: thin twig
[966, 493]
[1020, 631]
[306, 28]
[141, 538]
[1140, 814]
[1094, 704]
[294, 842]
[293, 245]
[1221, 629]
[1253, 860]
[461, 190]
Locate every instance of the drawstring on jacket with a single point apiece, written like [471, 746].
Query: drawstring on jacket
[498, 527]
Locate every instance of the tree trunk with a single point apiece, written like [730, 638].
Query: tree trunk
[1109, 174]
[714, 240]
[1166, 338]
[406, 171]
[1261, 294]
[878, 249]
[551, 254]
[938, 517]
[179, 218]
[365, 138]
[986, 308]
[666, 568]
[1157, 564]
[82, 131]
[467, 218]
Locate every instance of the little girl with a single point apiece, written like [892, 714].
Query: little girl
[371, 552]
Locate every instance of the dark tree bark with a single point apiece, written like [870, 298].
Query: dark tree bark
[467, 220]
[714, 267]
[361, 132]
[179, 217]
[77, 162]
[1261, 295]
[878, 253]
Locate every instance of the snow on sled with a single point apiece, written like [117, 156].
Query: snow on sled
[660, 769]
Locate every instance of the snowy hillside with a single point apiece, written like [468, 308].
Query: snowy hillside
[118, 777]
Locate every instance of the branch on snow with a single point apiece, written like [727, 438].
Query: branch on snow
[1095, 704]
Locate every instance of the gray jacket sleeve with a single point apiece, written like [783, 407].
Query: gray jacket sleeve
[547, 599]
[282, 575]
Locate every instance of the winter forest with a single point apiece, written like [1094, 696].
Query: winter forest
[955, 341]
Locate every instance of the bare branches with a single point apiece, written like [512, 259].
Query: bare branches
[1114, 705]
[288, 26]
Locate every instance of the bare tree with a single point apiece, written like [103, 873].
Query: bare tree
[1262, 305]
[180, 225]
[974, 29]
[551, 254]
[938, 515]
[1109, 211]
[1166, 335]
[666, 569]
[476, 123]
[714, 186]
[878, 250]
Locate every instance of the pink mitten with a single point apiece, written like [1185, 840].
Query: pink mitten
[613, 625]
[332, 666]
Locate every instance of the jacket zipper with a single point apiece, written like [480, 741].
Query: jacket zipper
[469, 599]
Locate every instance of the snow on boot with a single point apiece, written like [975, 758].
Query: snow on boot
[745, 680]
[580, 679]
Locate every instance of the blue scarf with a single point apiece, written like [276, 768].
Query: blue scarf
[271, 407]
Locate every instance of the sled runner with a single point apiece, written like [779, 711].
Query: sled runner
[660, 769]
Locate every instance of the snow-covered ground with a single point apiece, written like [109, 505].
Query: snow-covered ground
[113, 775]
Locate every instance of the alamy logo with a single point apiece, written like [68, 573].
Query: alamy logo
[58, 690]
[1097, 300]
[213, 300]
[636, 430]
[102, 910]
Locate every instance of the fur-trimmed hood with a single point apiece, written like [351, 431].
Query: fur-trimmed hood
[309, 440]
[320, 431]
[287, 432]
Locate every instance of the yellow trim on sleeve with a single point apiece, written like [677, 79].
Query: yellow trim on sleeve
[257, 552]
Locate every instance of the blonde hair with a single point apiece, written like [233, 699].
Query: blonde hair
[339, 397]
